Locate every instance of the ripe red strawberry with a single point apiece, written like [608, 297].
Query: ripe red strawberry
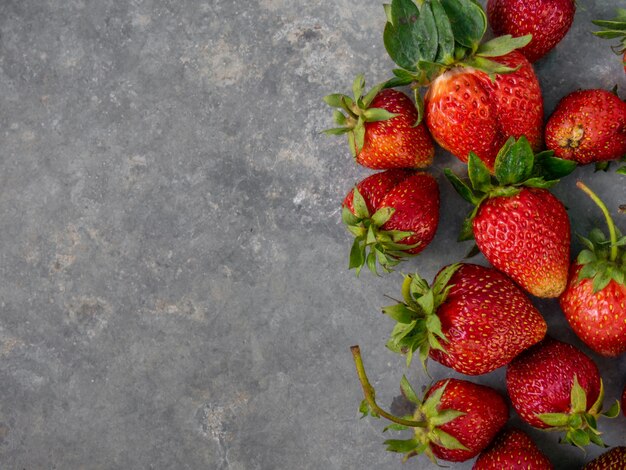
[614, 459]
[547, 20]
[512, 450]
[521, 228]
[479, 94]
[468, 112]
[615, 29]
[554, 385]
[393, 214]
[473, 319]
[588, 126]
[595, 298]
[382, 128]
[455, 421]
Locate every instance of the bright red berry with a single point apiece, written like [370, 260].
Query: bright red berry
[392, 214]
[547, 20]
[520, 227]
[467, 111]
[382, 128]
[555, 385]
[588, 126]
[454, 421]
[512, 450]
[614, 459]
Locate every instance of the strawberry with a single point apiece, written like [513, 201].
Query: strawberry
[393, 214]
[615, 29]
[614, 459]
[547, 20]
[455, 421]
[512, 450]
[382, 128]
[594, 299]
[555, 386]
[588, 126]
[473, 319]
[521, 228]
[478, 94]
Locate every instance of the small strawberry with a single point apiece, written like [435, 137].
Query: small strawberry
[595, 298]
[382, 128]
[473, 319]
[615, 29]
[588, 126]
[521, 228]
[614, 459]
[512, 450]
[547, 20]
[393, 214]
[455, 421]
[555, 386]
[479, 94]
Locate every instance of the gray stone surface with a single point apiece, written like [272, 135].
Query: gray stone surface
[173, 282]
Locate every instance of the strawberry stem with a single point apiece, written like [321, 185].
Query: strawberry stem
[607, 216]
[369, 393]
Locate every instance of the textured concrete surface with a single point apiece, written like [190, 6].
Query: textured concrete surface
[173, 282]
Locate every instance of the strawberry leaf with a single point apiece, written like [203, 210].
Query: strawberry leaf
[401, 445]
[557, 420]
[445, 416]
[468, 22]
[578, 397]
[447, 441]
[463, 189]
[502, 45]
[613, 411]
[445, 53]
[378, 114]
[400, 313]
[382, 215]
[360, 207]
[427, 42]
[514, 163]
[408, 392]
[478, 173]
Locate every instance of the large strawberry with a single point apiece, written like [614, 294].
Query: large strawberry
[392, 214]
[547, 20]
[521, 228]
[473, 319]
[595, 298]
[615, 29]
[614, 459]
[479, 94]
[555, 386]
[512, 450]
[588, 126]
[382, 128]
[455, 421]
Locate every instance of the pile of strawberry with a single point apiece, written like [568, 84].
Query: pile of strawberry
[483, 104]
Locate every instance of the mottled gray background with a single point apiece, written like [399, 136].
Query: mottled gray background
[174, 290]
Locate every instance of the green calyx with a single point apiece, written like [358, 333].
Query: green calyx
[581, 424]
[603, 260]
[614, 29]
[425, 421]
[438, 35]
[418, 327]
[516, 166]
[352, 113]
[372, 245]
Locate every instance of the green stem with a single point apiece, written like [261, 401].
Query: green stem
[607, 216]
[368, 392]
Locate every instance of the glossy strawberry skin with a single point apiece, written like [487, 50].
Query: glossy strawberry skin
[547, 20]
[540, 380]
[598, 319]
[466, 111]
[397, 142]
[512, 450]
[588, 126]
[413, 195]
[527, 237]
[614, 459]
[488, 321]
[486, 412]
